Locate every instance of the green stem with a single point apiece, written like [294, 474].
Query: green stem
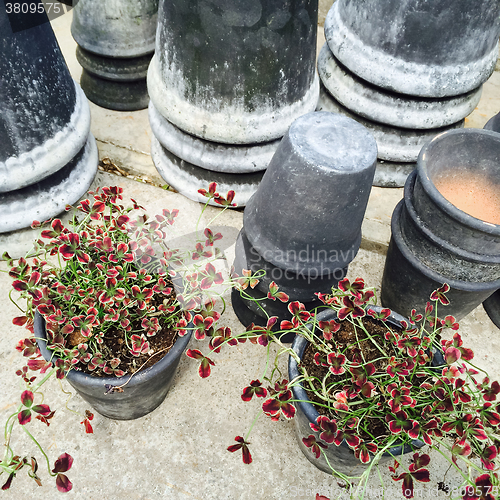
[41, 449]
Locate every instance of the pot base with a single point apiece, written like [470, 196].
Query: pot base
[248, 315]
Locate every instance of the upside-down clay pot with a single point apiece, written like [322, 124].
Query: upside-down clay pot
[307, 214]
[434, 242]
[303, 225]
[235, 72]
[411, 80]
[116, 41]
[431, 48]
[48, 157]
[341, 457]
[142, 393]
[226, 82]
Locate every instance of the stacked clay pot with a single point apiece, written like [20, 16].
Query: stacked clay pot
[303, 225]
[226, 82]
[48, 158]
[407, 70]
[435, 241]
[116, 41]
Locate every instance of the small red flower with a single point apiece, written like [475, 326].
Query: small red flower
[63, 464]
[256, 388]
[212, 191]
[329, 328]
[243, 446]
[484, 489]
[204, 369]
[280, 404]
[246, 280]
[350, 308]
[70, 248]
[211, 238]
[315, 446]
[363, 450]
[416, 471]
[210, 277]
[336, 363]
[326, 427]
[202, 325]
[274, 294]
[440, 294]
[221, 335]
[460, 448]
[86, 422]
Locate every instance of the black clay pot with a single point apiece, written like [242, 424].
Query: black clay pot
[341, 457]
[145, 391]
[412, 81]
[306, 215]
[492, 307]
[48, 158]
[431, 48]
[235, 72]
[116, 41]
[493, 124]
[433, 241]
[300, 286]
[303, 225]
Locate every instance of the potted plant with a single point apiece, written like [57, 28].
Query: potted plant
[367, 386]
[111, 306]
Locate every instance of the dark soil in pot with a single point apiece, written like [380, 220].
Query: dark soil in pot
[347, 336]
[135, 394]
[115, 346]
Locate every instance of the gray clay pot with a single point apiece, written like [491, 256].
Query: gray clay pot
[48, 158]
[430, 48]
[146, 390]
[340, 457]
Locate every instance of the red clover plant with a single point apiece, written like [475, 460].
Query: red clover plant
[108, 272]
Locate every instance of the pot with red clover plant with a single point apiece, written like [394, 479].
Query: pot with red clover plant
[366, 386]
[111, 306]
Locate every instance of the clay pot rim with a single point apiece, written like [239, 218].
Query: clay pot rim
[465, 254]
[465, 286]
[437, 197]
[96, 382]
